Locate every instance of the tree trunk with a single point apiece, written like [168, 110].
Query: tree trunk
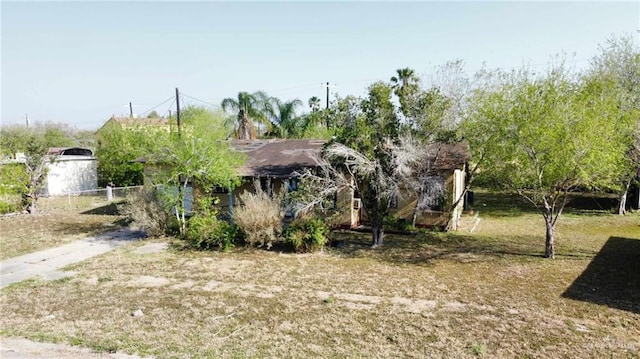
[378, 236]
[549, 250]
[30, 203]
[622, 203]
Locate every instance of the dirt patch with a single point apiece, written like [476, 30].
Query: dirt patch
[20, 348]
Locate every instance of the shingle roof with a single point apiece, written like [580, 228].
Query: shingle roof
[278, 158]
[449, 156]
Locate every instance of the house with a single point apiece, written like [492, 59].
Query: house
[130, 123]
[440, 202]
[74, 170]
[276, 163]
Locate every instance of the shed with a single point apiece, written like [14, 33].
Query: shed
[72, 171]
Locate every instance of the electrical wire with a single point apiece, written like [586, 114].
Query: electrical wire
[156, 106]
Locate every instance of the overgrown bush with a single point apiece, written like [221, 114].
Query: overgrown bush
[206, 231]
[13, 182]
[147, 210]
[307, 234]
[260, 218]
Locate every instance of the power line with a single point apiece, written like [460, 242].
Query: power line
[158, 105]
[202, 101]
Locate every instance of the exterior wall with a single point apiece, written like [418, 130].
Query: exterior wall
[406, 204]
[68, 174]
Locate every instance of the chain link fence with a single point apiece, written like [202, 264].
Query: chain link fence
[90, 200]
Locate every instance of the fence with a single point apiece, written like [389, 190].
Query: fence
[89, 200]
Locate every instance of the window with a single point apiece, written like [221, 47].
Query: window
[432, 196]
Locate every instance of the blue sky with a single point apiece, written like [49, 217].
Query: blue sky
[81, 62]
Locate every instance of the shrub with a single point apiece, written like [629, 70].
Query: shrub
[13, 182]
[260, 218]
[307, 234]
[206, 231]
[147, 210]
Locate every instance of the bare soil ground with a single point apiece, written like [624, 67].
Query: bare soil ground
[443, 295]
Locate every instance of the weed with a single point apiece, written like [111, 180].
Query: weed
[206, 231]
[307, 234]
[329, 300]
[478, 349]
[147, 210]
[260, 218]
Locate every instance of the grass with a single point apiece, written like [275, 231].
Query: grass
[451, 295]
[57, 223]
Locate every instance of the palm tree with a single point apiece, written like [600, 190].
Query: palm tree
[405, 86]
[314, 104]
[250, 107]
[283, 116]
[406, 79]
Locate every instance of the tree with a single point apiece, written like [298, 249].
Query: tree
[249, 108]
[153, 114]
[366, 139]
[118, 147]
[615, 80]
[34, 144]
[197, 157]
[283, 116]
[405, 85]
[314, 104]
[535, 136]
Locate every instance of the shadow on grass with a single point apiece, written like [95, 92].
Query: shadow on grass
[110, 209]
[424, 248]
[501, 204]
[88, 229]
[612, 278]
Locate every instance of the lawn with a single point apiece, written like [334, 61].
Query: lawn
[59, 221]
[455, 295]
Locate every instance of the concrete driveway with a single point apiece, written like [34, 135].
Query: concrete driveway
[46, 263]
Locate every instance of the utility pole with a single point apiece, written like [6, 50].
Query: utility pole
[178, 109]
[130, 110]
[327, 85]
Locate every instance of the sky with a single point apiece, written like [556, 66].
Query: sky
[82, 62]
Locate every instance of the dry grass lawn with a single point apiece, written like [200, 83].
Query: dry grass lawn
[459, 295]
[60, 221]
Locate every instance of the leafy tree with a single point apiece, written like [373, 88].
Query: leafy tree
[34, 143]
[367, 134]
[153, 114]
[535, 136]
[198, 157]
[118, 147]
[614, 77]
[249, 108]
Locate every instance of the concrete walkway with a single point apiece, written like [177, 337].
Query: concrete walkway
[47, 262]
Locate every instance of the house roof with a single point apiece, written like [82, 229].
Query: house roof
[282, 158]
[279, 158]
[449, 156]
[69, 151]
[128, 121]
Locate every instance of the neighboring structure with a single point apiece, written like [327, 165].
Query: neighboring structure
[130, 123]
[72, 171]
